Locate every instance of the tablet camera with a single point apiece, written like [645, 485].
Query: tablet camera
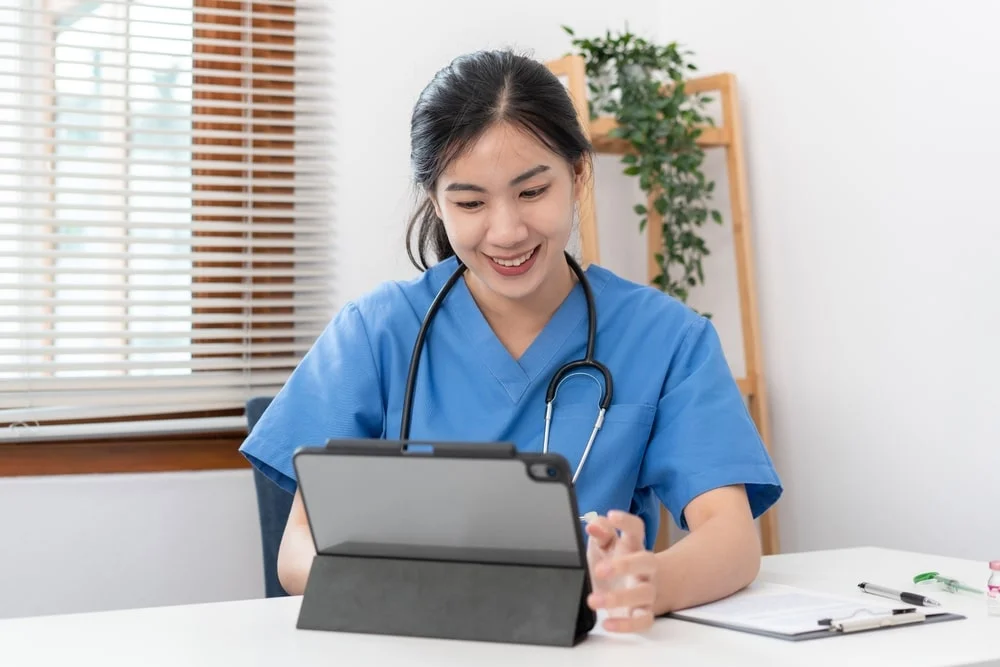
[544, 472]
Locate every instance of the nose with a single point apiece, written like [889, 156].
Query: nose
[506, 228]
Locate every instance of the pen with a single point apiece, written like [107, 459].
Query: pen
[902, 596]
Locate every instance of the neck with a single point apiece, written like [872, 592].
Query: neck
[530, 314]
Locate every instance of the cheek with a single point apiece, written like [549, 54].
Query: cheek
[464, 231]
[550, 218]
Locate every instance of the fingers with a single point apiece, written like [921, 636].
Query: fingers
[640, 564]
[603, 531]
[632, 527]
[630, 606]
[640, 621]
[631, 609]
[641, 595]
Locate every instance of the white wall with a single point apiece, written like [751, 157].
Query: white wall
[92, 542]
[873, 153]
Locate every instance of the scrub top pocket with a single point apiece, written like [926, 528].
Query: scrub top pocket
[615, 457]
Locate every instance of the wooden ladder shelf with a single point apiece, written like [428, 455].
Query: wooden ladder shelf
[728, 137]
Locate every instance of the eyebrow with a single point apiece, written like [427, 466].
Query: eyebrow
[534, 171]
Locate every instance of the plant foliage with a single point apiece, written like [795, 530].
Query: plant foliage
[641, 84]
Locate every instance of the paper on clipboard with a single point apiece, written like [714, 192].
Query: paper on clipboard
[784, 610]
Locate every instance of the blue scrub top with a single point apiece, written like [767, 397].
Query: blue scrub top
[677, 427]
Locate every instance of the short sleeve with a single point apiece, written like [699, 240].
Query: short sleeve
[333, 392]
[703, 436]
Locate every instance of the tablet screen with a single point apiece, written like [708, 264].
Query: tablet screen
[440, 508]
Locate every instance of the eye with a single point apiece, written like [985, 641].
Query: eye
[534, 193]
[468, 205]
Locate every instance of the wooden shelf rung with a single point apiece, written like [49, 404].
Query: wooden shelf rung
[745, 385]
[601, 127]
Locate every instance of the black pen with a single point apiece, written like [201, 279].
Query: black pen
[908, 598]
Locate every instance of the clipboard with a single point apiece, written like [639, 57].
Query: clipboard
[472, 541]
[795, 614]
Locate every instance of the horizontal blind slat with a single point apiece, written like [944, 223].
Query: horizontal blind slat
[226, 349]
[311, 57]
[70, 286]
[210, 149]
[161, 303]
[194, 273]
[303, 133]
[56, 432]
[302, 75]
[112, 368]
[299, 7]
[40, 386]
[250, 334]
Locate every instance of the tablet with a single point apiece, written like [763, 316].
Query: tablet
[479, 502]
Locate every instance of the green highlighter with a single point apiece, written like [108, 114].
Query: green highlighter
[946, 583]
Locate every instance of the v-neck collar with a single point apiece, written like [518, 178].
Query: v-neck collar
[517, 375]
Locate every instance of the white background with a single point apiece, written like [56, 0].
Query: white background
[872, 149]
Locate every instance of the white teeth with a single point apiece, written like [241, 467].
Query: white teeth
[517, 261]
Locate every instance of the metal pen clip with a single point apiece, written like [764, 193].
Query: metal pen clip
[884, 620]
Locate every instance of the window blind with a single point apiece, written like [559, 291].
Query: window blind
[164, 210]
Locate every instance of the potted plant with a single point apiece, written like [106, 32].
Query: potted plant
[641, 85]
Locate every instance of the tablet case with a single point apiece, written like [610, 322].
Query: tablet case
[448, 592]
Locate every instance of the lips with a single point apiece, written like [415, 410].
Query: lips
[514, 262]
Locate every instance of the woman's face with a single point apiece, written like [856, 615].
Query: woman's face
[507, 204]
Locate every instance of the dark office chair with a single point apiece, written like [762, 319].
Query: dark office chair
[273, 506]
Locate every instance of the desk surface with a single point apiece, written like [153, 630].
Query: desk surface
[262, 632]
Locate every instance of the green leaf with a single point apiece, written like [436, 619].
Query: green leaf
[660, 204]
[640, 209]
[631, 171]
[630, 158]
[717, 217]
[568, 30]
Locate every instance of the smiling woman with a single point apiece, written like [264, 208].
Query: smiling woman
[498, 152]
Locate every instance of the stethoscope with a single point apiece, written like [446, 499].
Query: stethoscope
[558, 378]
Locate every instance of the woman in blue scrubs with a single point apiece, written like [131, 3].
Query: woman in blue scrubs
[499, 155]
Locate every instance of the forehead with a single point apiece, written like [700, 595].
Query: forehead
[501, 153]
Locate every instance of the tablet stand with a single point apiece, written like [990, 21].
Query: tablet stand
[525, 604]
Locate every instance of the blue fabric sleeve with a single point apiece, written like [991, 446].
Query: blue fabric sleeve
[333, 392]
[703, 436]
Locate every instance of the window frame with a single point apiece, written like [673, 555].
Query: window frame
[160, 452]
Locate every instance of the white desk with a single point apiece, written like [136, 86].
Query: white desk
[262, 632]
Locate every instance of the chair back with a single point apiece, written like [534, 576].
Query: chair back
[273, 506]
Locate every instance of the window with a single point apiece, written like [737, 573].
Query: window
[164, 217]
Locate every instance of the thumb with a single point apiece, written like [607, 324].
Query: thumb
[602, 533]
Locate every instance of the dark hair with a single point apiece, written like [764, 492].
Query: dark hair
[462, 101]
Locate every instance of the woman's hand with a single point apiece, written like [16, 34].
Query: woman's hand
[622, 571]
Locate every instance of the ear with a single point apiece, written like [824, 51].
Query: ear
[579, 174]
[432, 197]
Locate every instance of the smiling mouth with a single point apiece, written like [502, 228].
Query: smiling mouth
[516, 261]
